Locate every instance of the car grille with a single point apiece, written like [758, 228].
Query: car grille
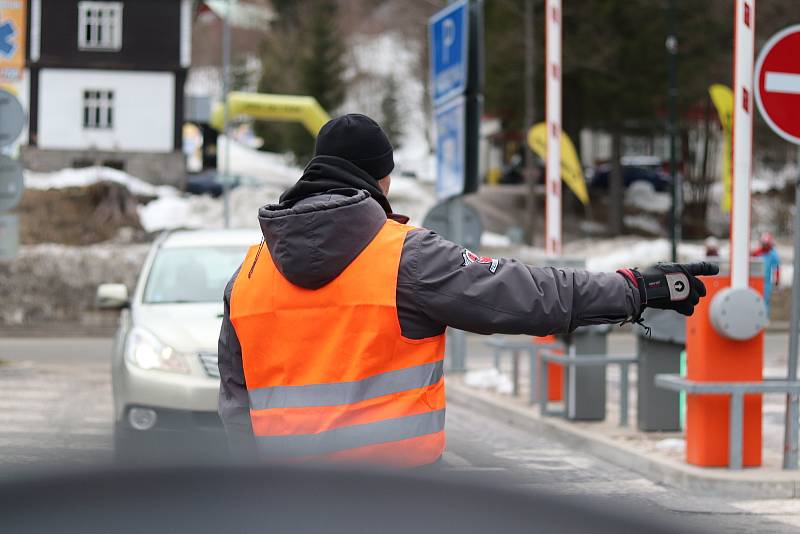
[209, 361]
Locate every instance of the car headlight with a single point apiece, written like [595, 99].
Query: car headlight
[144, 350]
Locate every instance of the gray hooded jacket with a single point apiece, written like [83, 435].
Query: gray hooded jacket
[439, 284]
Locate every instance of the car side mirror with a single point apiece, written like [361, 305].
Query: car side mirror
[112, 297]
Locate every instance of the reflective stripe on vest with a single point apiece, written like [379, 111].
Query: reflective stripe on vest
[328, 372]
[350, 437]
[346, 392]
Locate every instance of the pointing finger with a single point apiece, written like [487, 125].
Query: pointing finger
[701, 268]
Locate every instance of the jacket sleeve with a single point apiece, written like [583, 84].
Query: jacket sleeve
[442, 284]
[234, 406]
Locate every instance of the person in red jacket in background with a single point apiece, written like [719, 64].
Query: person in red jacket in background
[772, 264]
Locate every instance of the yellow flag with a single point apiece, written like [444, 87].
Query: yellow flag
[571, 171]
[722, 97]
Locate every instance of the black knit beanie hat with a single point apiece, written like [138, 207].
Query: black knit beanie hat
[360, 140]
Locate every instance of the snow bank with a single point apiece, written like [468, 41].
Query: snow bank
[264, 175]
[608, 255]
[58, 282]
[490, 379]
[256, 167]
[92, 175]
[643, 196]
[188, 211]
[493, 240]
[765, 179]
[411, 197]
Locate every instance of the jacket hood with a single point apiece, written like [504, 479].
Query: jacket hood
[312, 240]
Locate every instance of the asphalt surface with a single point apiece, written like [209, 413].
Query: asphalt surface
[55, 410]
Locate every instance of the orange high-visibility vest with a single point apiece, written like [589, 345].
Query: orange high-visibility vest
[329, 374]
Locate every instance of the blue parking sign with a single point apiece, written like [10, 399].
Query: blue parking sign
[448, 51]
[450, 148]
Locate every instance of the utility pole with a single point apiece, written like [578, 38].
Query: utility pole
[530, 118]
[672, 127]
[226, 87]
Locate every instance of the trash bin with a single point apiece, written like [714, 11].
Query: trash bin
[660, 352]
[585, 386]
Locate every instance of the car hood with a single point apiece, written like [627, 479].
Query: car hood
[184, 327]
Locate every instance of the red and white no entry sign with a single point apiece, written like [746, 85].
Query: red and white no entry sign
[777, 81]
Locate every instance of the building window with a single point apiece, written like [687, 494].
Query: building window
[98, 109]
[100, 26]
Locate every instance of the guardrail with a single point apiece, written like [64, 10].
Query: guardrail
[590, 360]
[737, 391]
[515, 347]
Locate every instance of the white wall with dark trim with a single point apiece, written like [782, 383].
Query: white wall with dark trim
[144, 110]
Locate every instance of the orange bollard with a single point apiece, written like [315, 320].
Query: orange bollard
[711, 357]
[555, 371]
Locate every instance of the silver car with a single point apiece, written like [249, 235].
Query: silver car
[164, 362]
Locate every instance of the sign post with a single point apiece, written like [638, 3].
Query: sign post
[450, 148]
[777, 81]
[11, 183]
[742, 141]
[9, 237]
[12, 118]
[12, 121]
[455, 74]
[553, 116]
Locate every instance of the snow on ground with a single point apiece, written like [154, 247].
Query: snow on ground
[489, 379]
[258, 167]
[264, 175]
[92, 175]
[612, 254]
[188, 211]
[642, 195]
[176, 210]
[492, 240]
[765, 179]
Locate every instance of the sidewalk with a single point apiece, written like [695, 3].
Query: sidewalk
[657, 455]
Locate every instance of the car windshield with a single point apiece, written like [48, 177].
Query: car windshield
[191, 274]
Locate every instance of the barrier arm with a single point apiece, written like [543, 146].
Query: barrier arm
[285, 108]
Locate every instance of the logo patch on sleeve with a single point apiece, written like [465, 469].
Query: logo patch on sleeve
[470, 257]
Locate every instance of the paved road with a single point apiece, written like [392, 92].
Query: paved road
[55, 408]
[55, 403]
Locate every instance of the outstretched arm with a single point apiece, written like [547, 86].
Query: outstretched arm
[447, 285]
[450, 286]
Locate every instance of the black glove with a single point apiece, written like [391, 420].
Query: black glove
[673, 286]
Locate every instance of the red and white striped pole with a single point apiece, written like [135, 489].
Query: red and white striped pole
[744, 44]
[553, 117]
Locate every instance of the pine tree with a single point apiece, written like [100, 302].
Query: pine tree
[304, 55]
[390, 113]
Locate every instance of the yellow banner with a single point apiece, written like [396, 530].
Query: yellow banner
[288, 108]
[12, 39]
[722, 97]
[571, 171]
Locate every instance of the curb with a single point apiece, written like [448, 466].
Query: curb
[50, 330]
[746, 484]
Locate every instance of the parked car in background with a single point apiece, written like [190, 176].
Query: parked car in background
[634, 168]
[164, 361]
[208, 182]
